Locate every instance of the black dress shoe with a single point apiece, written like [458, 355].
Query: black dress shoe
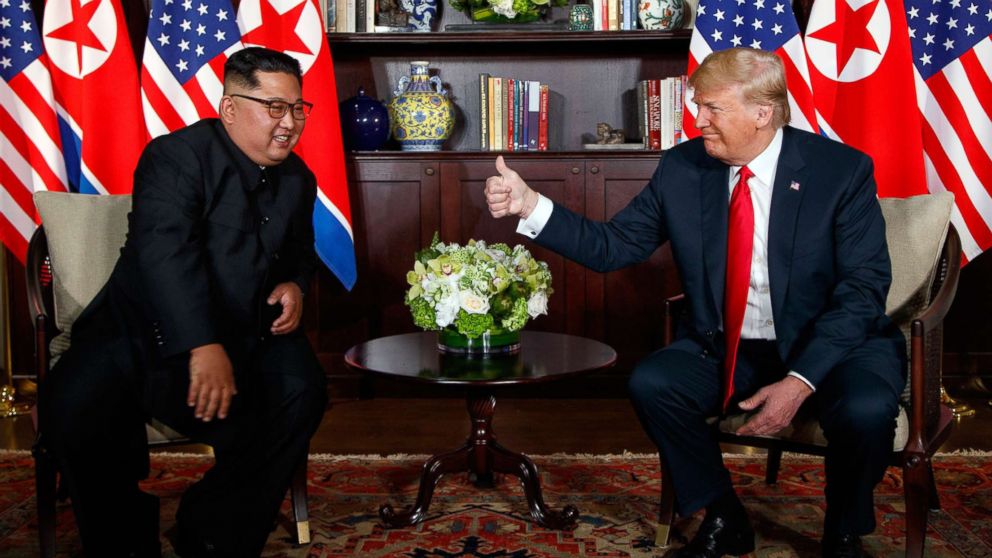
[719, 536]
[188, 545]
[844, 546]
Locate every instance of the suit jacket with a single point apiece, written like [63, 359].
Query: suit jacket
[828, 261]
[210, 234]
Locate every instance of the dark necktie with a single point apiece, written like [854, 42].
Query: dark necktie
[740, 240]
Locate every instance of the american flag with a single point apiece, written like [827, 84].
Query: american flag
[182, 73]
[764, 24]
[30, 144]
[952, 52]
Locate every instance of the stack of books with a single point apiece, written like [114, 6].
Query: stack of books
[659, 115]
[614, 15]
[513, 114]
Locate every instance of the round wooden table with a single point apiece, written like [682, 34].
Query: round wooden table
[543, 357]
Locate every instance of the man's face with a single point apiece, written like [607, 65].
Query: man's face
[733, 130]
[265, 140]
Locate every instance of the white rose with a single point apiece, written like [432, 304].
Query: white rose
[503, 8]
[473, 303]
[537, 304]
[447, 309]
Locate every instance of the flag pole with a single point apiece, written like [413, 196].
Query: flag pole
[9, 407]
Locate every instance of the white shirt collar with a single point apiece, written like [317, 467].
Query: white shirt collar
[763, 166]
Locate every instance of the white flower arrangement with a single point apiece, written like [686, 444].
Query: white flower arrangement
[477, 289]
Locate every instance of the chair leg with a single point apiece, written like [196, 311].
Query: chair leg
[45, 486]
[917, 483]
[934, 500]
[301, 515]
[774, 462]
[666, 516]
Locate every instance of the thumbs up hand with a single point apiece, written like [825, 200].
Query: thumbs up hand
[508, 194]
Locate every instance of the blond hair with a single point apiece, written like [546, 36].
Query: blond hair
[759, 73]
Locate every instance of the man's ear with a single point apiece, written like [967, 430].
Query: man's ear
[765, 113]
[227, 109]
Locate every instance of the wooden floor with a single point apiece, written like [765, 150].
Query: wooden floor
[533, 426]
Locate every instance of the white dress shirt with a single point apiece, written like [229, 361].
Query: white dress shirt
[758, 318]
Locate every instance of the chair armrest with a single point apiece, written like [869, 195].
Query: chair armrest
[673, 308]
[927, 348]
[38, 281]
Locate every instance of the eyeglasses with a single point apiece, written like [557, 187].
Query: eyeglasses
[277, 109]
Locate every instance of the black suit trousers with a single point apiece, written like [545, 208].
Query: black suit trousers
[98, 405]
[674, 392]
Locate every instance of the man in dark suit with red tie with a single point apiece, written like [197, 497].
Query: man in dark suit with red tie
[780, 246]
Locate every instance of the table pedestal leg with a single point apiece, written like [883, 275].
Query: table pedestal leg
[481, 456]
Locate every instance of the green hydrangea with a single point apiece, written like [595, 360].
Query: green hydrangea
[423, 314]
[473, 325]
[518, 316]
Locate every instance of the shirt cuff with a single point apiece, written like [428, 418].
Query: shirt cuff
[535, 222]
[795, 374]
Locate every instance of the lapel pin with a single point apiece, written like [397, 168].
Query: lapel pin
[794, 186]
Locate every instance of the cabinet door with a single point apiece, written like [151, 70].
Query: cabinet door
[625, 307]
[465, 215]
[395, 212]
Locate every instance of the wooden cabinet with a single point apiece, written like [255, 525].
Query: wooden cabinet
[400, 199]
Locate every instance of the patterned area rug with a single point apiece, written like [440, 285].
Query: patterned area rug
[616, 496]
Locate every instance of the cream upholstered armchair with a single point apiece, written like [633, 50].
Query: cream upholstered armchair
[70, 258]
[926, 257]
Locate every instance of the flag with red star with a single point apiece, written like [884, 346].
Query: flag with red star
[95, 81]
[295, 27]
[863, 87]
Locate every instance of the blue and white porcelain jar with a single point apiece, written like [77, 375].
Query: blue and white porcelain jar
[421, 114]
[660, 15]
[423, 14]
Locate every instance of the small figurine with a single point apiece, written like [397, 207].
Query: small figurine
[391, 14]
[608, 134]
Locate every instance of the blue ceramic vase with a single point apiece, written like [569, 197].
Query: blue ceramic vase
[422, 116]
[364, 122]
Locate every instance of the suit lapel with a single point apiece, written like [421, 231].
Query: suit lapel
[787, 195]
[714, 200]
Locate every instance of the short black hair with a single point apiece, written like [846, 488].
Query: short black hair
[243, 66]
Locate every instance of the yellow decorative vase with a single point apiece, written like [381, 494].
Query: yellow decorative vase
[421, 114]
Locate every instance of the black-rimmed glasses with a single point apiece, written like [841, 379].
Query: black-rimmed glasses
[277, 109]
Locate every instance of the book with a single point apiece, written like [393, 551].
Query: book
[533, 113]
[327, 9]
[524, 121]
[484, 111]
[341, 16]
[679, 84]
[498, 120]
[350, 12]
[361, 15]
[642, 112]
[508, 113]
[654, 114]
[667, 95]
[542, 134]
[492, 125]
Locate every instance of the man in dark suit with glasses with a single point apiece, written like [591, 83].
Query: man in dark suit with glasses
[198, 326]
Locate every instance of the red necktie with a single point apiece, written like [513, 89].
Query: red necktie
[740, 240]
